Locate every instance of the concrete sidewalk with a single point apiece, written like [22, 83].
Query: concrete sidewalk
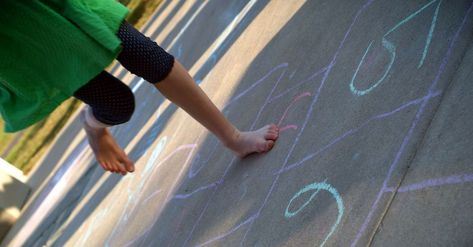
[376, 145]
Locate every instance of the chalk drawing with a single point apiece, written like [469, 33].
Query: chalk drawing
[155, 166]
[299, 97]
[246, 222]
[391, 48]
[292, 74]
[431, 30]
[245, 190]
[229, 165]
[355, 130]
[429, 36]
[309, 112]
[287, 127]
[152, 195]
[198, 163]
[316, 187]
[257, 83]
[298, 84]
[356, 156]
[392, 53]
[133, 191]
[270, 98]
[434, 182]
[414, 124]
[202, 188]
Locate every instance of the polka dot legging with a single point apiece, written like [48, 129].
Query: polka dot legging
[111, 100]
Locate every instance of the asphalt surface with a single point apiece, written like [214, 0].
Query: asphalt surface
[373, 99]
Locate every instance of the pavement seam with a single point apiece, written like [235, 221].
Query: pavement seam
[423, 140]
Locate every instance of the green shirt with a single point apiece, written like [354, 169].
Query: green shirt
[49, 49]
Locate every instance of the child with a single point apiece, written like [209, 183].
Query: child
[54, 49]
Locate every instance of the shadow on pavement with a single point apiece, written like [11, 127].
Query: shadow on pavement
[125, 133]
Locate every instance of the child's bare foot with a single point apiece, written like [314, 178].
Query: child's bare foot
[107, 152]
[258, 141]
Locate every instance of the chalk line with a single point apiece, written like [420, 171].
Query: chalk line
[434, 182]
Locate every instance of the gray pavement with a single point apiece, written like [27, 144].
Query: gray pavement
[373, 101]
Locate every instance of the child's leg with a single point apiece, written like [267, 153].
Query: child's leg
[143, 57]
[109, 102]
[181, 89]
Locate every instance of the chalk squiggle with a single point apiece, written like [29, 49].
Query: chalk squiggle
[317, 187]
[299, 97]
[287, 127]
[392, 49]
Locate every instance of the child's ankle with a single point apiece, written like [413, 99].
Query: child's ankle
[232, 140]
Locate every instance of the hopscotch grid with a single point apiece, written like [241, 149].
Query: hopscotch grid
[327, 71]
[269, 99]
[314, 101]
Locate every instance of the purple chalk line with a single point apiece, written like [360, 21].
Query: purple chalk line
[194, 171]
[238, 96]
[434, 182]
[187, 195]
[249, 220]
[355, 130]
[411, 130]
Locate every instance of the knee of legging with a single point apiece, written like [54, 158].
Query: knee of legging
[119, 112]
[142, 56]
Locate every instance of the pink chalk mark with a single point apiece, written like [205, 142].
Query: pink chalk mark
[291, 126]
[299, 97]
